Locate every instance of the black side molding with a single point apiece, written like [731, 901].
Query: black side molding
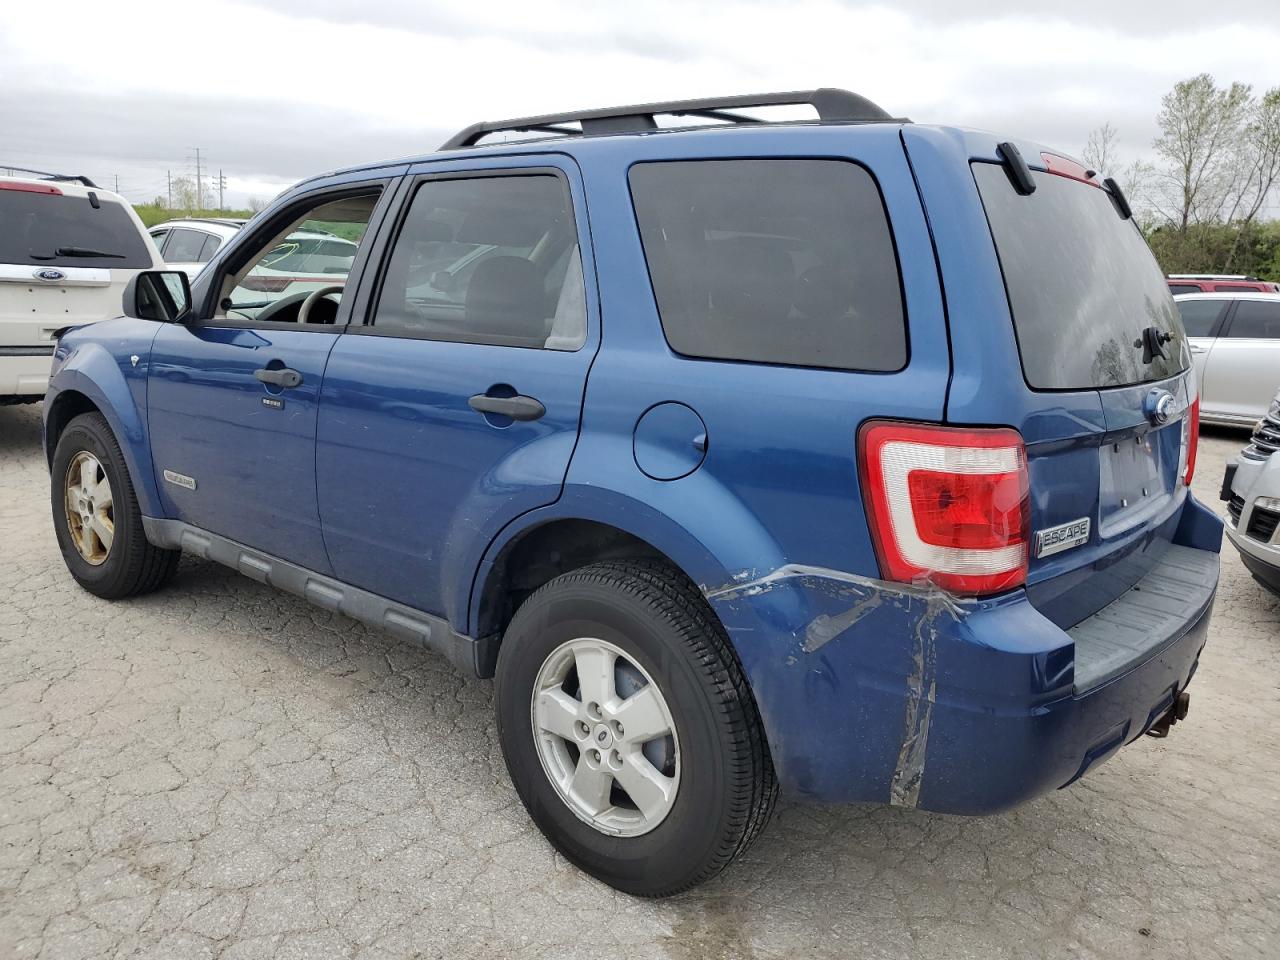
[477, 656]
[1016, 167]
[1120, 200]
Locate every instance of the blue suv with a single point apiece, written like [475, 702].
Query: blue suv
[847, 458]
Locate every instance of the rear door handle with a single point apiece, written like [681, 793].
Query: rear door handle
[517, 408]
[281, 378]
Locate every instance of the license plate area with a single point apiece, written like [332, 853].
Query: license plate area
[1132, 481]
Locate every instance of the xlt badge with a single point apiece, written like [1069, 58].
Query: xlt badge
[1053, 540]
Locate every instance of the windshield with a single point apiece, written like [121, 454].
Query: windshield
[1083, 286]
[52, 230]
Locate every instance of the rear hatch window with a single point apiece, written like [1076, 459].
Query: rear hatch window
[1082, 285]
[57, 230]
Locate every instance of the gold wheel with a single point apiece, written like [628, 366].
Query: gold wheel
[90, 513]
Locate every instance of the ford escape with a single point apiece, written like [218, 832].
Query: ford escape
[847, 458]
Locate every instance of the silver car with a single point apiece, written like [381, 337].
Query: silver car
[1235, 341]
[1252, 491]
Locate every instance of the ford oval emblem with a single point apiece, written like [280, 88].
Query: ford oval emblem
[50, 274]
[1159, 406]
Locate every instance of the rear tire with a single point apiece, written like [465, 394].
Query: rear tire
[96, 515]
[713, 764]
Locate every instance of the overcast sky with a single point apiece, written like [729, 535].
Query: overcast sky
[272, 91]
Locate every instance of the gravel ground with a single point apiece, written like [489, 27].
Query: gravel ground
[220, 770]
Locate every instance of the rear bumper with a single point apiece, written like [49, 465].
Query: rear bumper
[24, 371]
[907, 696]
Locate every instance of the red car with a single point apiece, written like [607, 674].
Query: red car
[1218, 283]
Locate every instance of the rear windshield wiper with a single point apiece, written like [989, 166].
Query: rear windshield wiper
[78, 252]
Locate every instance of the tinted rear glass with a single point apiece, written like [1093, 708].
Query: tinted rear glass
[1199, 316]
[34, 225]
[1257, 319]
[1082, 285]
[773, 261]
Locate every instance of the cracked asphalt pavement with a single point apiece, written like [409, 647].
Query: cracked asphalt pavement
[221, 770]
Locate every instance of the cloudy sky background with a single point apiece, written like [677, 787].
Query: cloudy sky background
[275, 91]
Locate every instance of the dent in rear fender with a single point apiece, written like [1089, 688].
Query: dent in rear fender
[850, 671]
[91, 369]
[923, 604]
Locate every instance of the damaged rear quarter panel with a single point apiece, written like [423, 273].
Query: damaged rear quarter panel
[851, 699]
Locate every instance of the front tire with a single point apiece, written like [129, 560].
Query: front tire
[629, 730]
[96, 515]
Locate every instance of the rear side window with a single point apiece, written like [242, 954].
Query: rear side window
[211, 245]
[1199, 316]
[772, 261]
[185, 245]
[47, 230]
[1256, 319]
[1082, 285]
[1184, 288]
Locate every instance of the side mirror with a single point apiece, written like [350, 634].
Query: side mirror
[163, 295]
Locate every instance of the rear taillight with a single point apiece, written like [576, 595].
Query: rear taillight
[266, 284]
[1190, 441]
[945, 505]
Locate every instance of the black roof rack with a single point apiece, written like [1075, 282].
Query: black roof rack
[831, 104]
[45, 174]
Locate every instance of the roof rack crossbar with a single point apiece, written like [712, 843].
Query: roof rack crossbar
[52, 176]
[830, 103]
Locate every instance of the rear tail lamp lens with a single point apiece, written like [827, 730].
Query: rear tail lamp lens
[264, 284]
[948, 506]
[1190, 441]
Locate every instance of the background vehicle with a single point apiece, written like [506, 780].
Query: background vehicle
[188, 243]
[1219, 283]
[1252, 489]
[864, 490]
[303, 261]
[1235, 339]
[67, 249]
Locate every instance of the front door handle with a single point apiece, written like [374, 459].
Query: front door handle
[517, 407]
[281, 378]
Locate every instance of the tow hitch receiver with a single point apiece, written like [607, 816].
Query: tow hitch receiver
[1176, 712]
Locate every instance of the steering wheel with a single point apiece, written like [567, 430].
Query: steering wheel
[304, 311]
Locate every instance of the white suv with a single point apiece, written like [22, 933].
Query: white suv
[67, 249]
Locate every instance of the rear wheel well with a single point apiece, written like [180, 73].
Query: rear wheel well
[543, 553]
[68, 405]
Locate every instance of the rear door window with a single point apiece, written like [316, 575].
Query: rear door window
[60, 230]
[772, 261]
[185, 245]
[1200, 316]
[491, 260]
[1256, 320]
[1082, 285]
